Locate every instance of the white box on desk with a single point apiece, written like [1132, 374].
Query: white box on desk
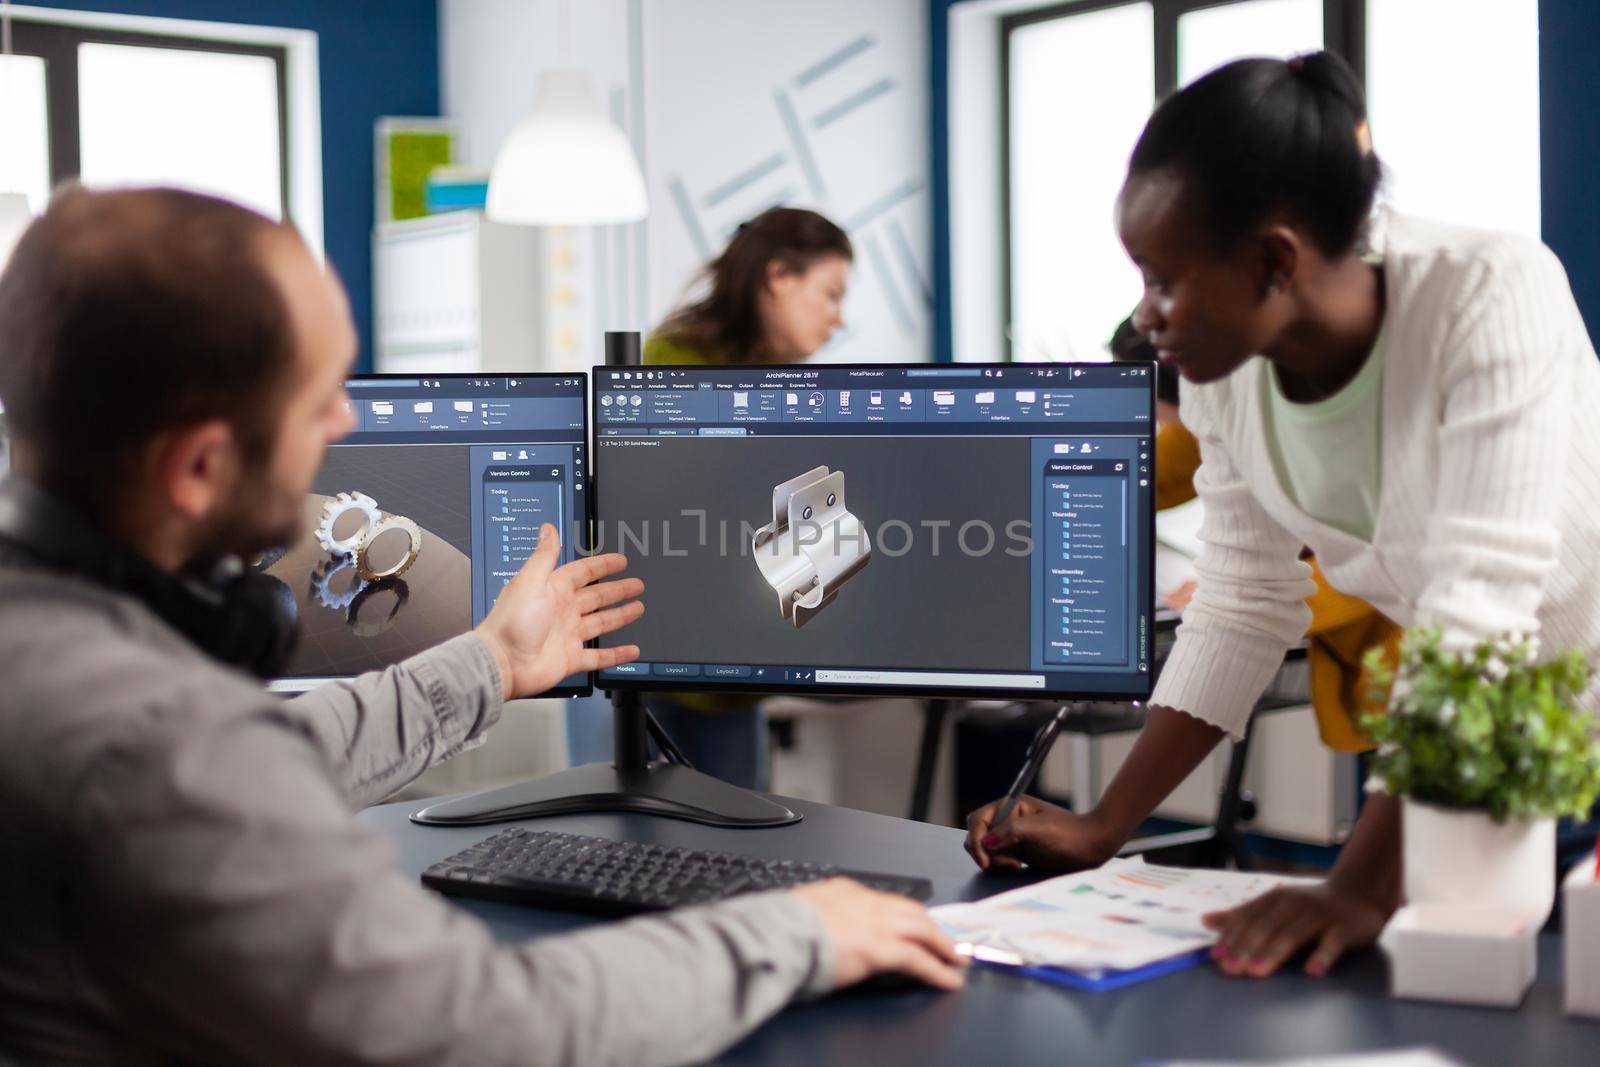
[1462, 955]
[1580, 937]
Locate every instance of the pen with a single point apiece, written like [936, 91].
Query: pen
[1038, 749]
[985, 954]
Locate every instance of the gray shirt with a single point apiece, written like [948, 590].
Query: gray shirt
[181, 878]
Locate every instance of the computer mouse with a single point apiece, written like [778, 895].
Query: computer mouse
[888, 982]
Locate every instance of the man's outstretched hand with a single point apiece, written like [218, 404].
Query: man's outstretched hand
[538, 626]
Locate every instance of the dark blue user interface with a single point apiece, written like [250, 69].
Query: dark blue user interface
[422, 514]
[972, 528]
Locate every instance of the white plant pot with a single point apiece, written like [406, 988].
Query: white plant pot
[1464, 858]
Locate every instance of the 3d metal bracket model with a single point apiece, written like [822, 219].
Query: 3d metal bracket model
[813, 544]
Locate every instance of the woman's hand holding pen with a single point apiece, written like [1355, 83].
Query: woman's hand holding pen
[1040, 835]
[1170, 746]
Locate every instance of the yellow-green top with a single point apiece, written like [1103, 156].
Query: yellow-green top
[660, 349]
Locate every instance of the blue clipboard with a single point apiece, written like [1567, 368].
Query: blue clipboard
[1106, 981]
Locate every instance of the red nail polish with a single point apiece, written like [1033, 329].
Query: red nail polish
[991, 841]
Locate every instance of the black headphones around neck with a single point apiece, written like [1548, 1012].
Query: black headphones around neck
[245, 619]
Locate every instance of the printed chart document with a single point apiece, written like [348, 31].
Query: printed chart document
[1123, 916]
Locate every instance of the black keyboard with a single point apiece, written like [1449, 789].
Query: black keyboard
[572, 872]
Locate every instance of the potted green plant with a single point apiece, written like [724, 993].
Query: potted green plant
[1487, 747]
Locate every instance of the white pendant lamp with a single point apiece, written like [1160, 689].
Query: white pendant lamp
[564, 162]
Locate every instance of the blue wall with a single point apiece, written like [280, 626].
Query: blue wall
[1569, 136]
[1569, 144]
[377, 57]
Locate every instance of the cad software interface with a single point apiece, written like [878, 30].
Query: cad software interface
[982, 528]
[421, 515]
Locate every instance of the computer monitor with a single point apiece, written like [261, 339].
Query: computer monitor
[472, 465]
[975, 530]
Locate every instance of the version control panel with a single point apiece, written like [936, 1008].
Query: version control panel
[1086, 553]
[516, 490]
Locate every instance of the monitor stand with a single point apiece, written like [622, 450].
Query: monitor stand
[631, 783]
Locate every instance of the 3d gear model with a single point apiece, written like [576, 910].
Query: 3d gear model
[373, 626]
[364, 567]
[813, 544]
[323, 575]
[336, 509]
[269, 557]
[353, 551]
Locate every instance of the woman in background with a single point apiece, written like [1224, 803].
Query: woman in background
[774, 295]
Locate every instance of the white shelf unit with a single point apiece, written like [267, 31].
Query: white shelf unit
[456, 293]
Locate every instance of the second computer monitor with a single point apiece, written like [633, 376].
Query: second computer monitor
[978, 530]
[426, 510]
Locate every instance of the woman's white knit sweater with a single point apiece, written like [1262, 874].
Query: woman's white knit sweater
[1489, 514]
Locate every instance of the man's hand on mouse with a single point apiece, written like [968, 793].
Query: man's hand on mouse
[875, 933]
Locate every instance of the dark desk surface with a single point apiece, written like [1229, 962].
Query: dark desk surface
[1001, 1019]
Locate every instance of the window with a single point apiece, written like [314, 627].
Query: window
[1067, 164]
[1458, 145]
[1211, 36]
[126, 107]
[141, 121]
[1078, 80]
[24, 130]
